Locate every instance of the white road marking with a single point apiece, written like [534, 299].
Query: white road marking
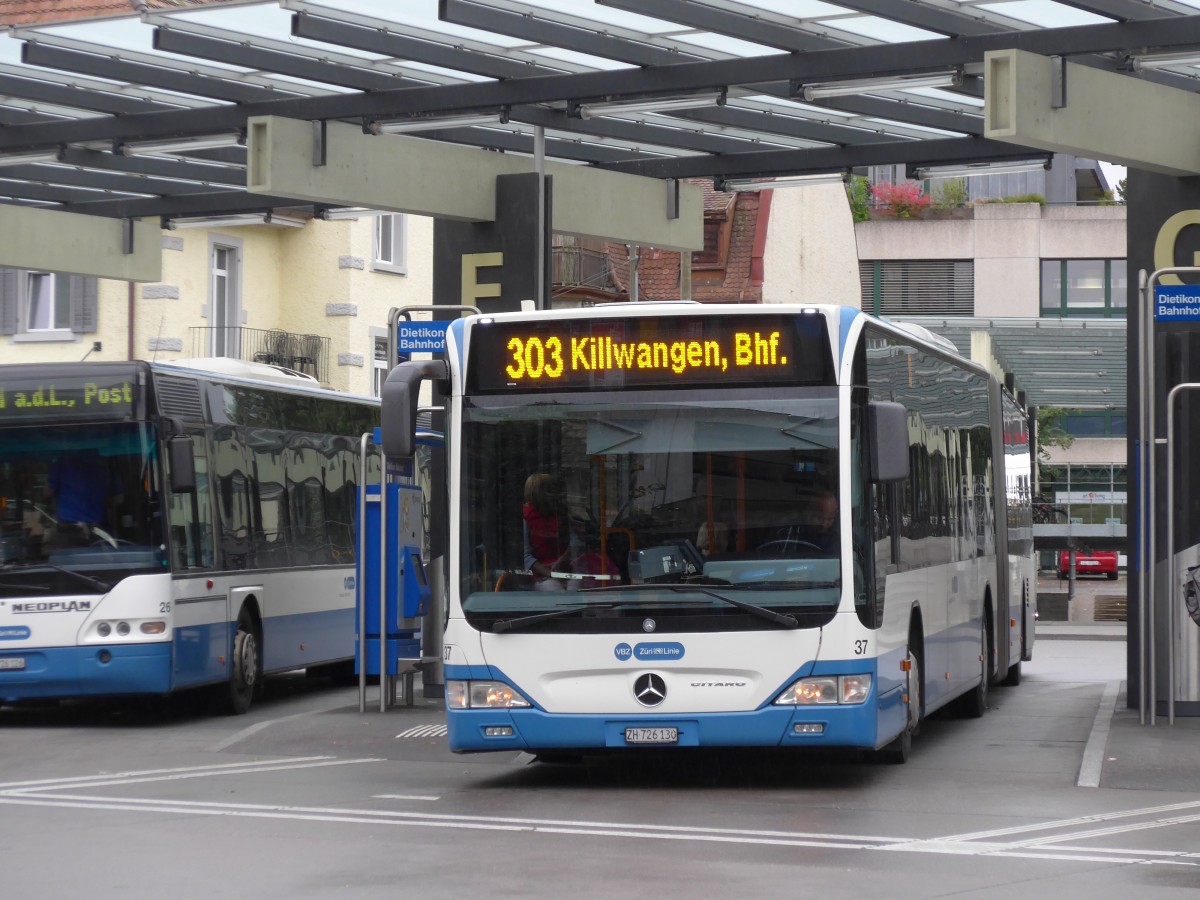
[37, 793]
[1093, 752]
[423, 731]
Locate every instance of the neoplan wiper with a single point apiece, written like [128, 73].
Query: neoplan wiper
[784, 620]
[102, 586]
[32, 588]
[500, 626]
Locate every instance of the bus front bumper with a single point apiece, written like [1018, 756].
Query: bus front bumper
[93, 671]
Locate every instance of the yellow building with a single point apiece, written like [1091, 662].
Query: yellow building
[304, 293]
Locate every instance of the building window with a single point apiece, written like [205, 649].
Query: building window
[390, 244]
[1095, 423]
[918, 287]
[48, 302]
[379, 371]
[1083, 287]
[224, 298]
[718, 226]
[46, 306]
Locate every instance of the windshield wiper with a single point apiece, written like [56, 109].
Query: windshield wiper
[32, 588]
[102, 586]
[500, 626]
[784, 620]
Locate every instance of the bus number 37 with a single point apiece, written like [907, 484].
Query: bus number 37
[535, 358]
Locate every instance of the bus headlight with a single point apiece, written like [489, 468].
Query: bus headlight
[483, 695]
[828, 690]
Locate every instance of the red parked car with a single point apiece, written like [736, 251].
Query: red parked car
[1099, 562]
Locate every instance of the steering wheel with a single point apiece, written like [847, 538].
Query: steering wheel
[788, 548]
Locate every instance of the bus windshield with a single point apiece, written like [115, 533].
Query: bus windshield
[78, 499]
[702, 512]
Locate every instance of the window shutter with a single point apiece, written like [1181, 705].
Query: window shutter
[83, 304]
[9, 298]
[920, 287]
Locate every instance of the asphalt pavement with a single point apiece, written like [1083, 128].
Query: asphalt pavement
[1124, 750]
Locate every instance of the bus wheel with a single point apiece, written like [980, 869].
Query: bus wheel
[898, 750]
[973, 704]
[244, 680]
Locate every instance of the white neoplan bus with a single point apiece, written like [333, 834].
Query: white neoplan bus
[685, 594]
[165, 527]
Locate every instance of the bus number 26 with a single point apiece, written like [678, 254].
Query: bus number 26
[535, 358]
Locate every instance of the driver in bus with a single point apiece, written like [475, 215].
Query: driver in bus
[86, 491]
[817, 526]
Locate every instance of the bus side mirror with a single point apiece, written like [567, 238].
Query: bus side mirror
[398, 403]
[887, 427]
[182, 460]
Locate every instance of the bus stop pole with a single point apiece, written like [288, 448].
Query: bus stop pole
[360, 572]
[1173, 604]
[1150, 442]
[384, 680]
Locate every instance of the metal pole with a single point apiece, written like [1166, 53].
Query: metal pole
[1150, 438]
[1173, 597]
[383, 548]
[359, 571]
[539, 160]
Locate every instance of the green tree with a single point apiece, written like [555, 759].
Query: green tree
[858, 192]
[1051, 431]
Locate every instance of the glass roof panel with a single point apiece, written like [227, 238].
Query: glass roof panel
[796, 9]
[1045, 13]
[725, 44]
[420, 14]
[885, 30]
[582, 61]
[605, 15]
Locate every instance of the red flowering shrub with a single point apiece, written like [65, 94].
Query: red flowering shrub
[900, 200]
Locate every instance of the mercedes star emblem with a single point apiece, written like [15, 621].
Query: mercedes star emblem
[649, 624]
[650, 689]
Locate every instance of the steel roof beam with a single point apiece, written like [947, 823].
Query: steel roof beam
[77, 98]
[163, 77]
[47, 192]
[399, 46]
[907, 111]
[554, 34]
[250, 56]
[217, 203]
[69, 176]
[842, 63]
[830, 159]
[924, 15]
[722, 21]
[153, 166]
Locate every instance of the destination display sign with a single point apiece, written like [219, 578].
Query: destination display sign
[649, 352]
[24, 398]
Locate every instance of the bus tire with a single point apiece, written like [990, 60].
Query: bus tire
[246, 672]
[898, 751]
[1014, 675]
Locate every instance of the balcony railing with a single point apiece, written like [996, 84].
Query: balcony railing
[307, 353]
[581, 267]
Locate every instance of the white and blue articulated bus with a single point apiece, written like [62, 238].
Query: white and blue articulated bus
[169, 526]
[678, 525]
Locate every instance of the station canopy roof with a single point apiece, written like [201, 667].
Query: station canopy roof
[145, 114]
[140, 115]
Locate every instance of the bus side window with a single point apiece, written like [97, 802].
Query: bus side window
[190, 519]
